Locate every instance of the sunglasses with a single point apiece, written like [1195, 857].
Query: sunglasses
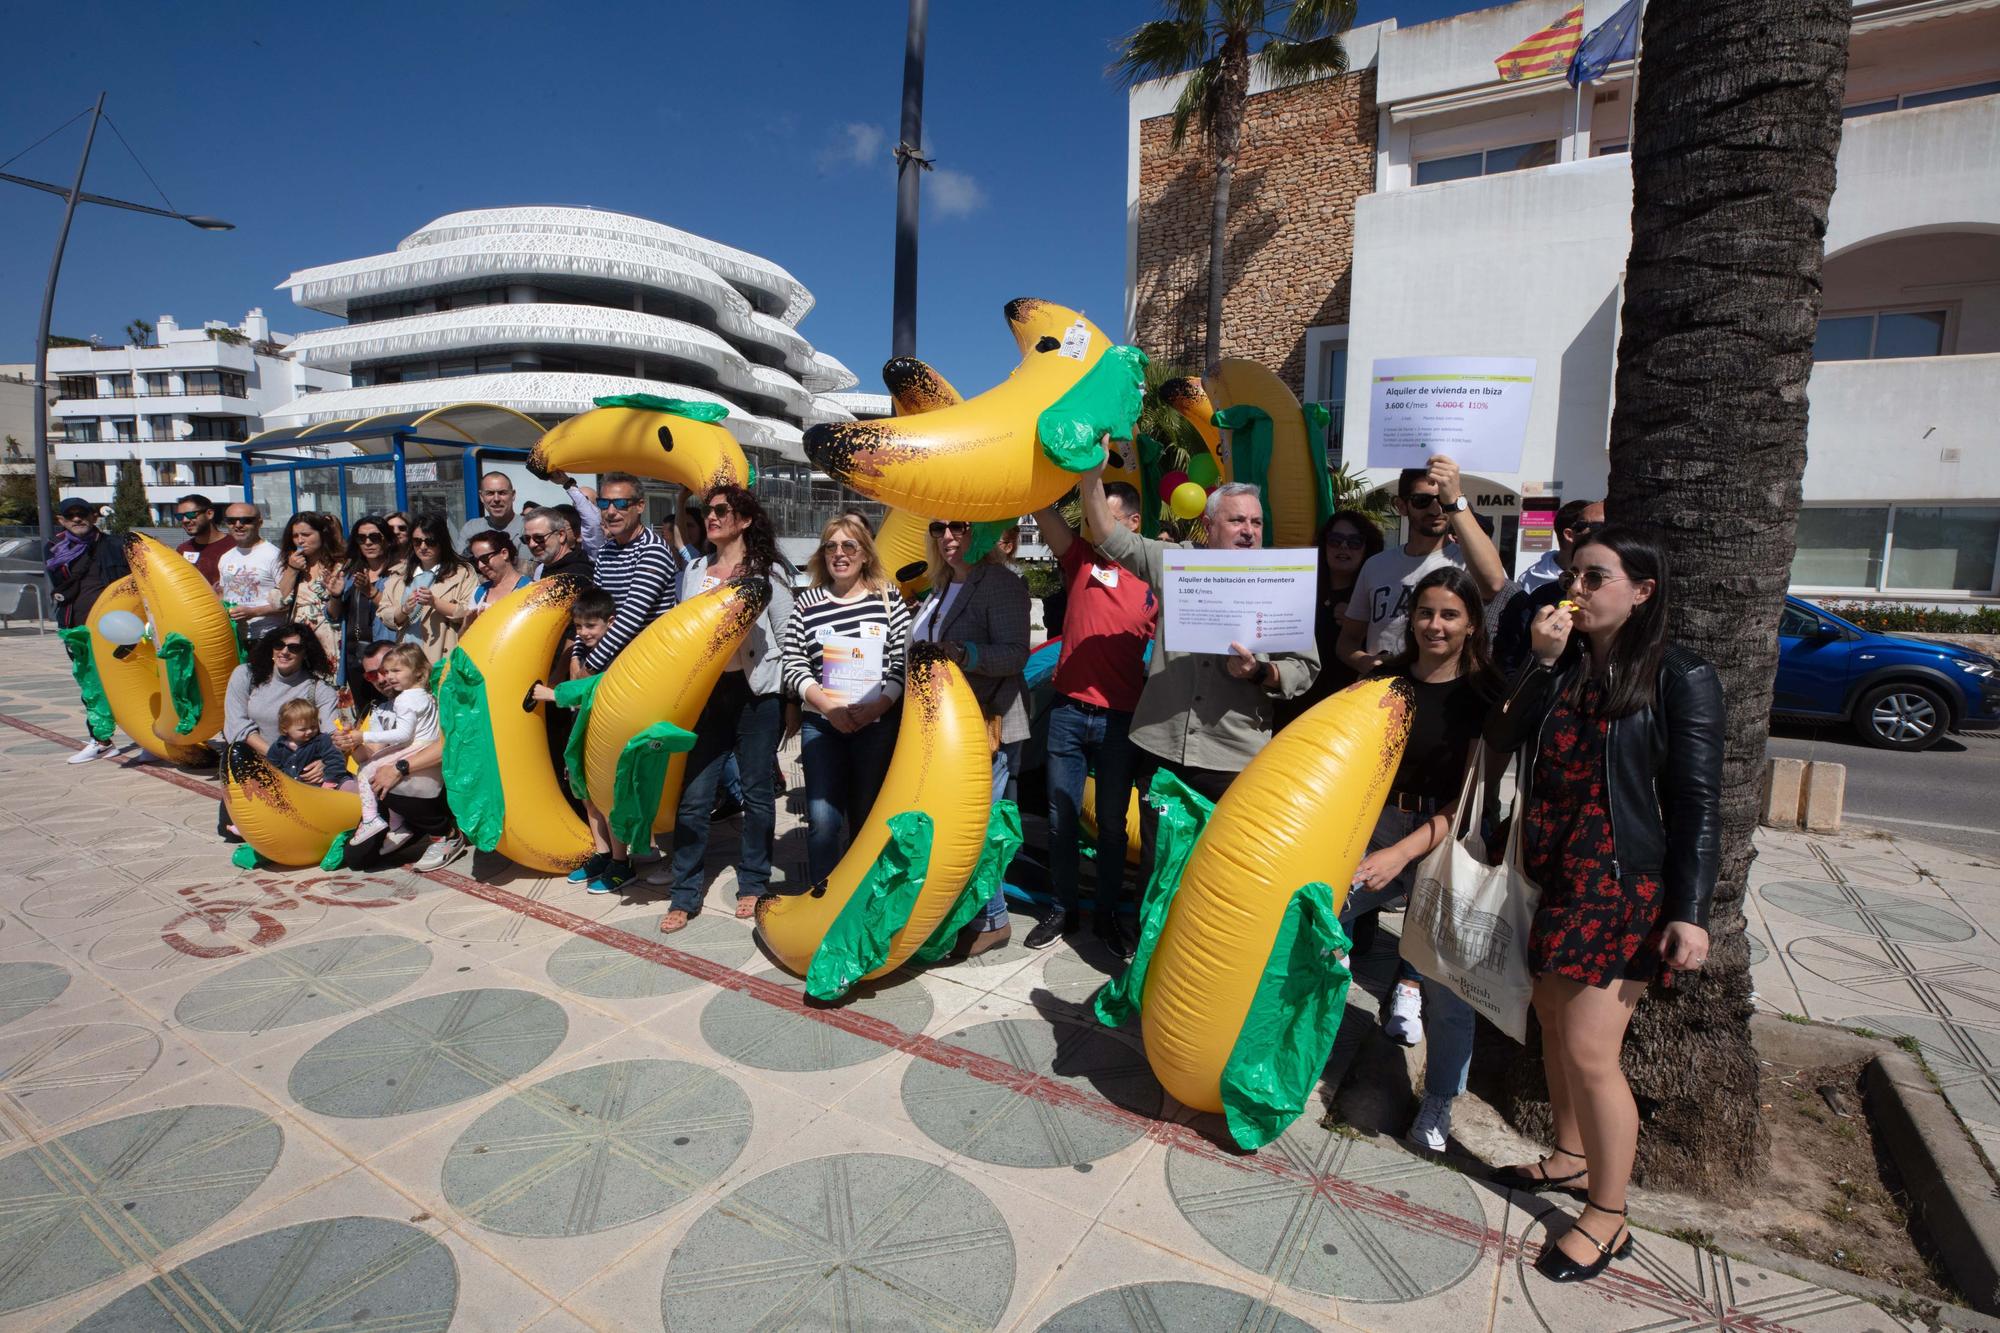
[841, 547]
[719, 511]
[1346, 541]
[957, 528]
[423, 541]
[236, 522]
[189, 515]
[399, 528]
[372, 673]
[621, 503]
[534, 538]
[375, 537]
[288, 646]
[1590, 580]
[483, 559]
[1421, 500]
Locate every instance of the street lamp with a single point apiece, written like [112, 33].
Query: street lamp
[75, 194]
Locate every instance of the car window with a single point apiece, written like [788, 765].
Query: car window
[1797, 624]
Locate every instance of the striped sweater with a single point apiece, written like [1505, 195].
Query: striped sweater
[816, 616]
[640, 576]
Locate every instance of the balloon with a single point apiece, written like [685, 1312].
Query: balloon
[122, 628]
[1170, 483]
[1187, 500]
[1203, 471]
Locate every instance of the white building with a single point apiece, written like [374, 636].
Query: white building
[1500, 227]
[545, 309]
[174, 405]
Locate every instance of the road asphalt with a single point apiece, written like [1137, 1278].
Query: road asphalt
[1948, 794]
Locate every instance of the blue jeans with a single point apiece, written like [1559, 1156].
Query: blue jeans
[1006, 783]
[844, 772]
[1080, 739]
[746, 725]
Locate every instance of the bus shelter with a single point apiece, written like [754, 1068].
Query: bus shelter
[418, 462]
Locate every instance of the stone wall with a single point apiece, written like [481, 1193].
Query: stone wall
[1308, 153]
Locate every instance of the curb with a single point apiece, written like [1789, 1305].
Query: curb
[1950, 1189]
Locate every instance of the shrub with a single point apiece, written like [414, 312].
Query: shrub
[1901, 617]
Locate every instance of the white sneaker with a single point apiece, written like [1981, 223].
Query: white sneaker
[397, 838]
[442, 852]
[92, 750]
[1405, 1023]
[368, 828]
[1432, 1127]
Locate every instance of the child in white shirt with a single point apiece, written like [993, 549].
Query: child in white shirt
[409, 722]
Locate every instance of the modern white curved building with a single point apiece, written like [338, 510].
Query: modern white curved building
[545, 309]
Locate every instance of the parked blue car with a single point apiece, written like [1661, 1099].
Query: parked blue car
[1898, 693]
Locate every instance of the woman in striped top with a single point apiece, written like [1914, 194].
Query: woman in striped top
[843, 658]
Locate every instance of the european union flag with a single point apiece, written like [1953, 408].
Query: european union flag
[1617, 38]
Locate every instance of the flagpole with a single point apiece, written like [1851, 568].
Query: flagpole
[1576, 124]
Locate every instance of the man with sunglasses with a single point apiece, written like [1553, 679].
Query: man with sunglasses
[1542, 583]
[206, 543]
[248, 574]
[634, 566]
[550, 534]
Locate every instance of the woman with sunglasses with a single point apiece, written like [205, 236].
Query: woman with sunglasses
[852, 618]
[977, 612]
[1346, 541]
[1620, 733]
[398, 524]
[369, 558]
[744, 715]
[311, 582]
[493, 561]
[424, 601]
[285, 663]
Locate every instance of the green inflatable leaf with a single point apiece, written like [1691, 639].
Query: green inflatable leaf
[858, 940]
[1106, 399]
[83, 667]
[437, 675]
[1152, 454]
[1183, 814]
[1250, 451]
[244, 857]
[579, 695]
[650, 402]
[336, 851]
[1003, 839]
[472, 784]
[641, 776]
[183, 686]
[984, 537]
[1288, 1034]
[1317, 420]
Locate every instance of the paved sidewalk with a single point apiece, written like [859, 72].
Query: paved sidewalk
[418, 1102]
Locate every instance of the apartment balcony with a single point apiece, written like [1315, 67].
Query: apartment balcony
[1917, 427]
[1919, 170]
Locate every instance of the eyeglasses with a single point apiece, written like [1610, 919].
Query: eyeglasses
[841, 547]
[620, 503]
[1421, 500]
[399, 528]
[957, 528]
[719, 510]
[372, 673]
[1346, 541]
[189, 515]
[288, 646]
[1590, 580]
[238, 521]
[423, 541]
[375, 537]
[482, 559]
[534, 538]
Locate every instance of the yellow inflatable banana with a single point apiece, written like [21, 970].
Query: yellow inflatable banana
[666, 675]
[1188, 397]
[132, 682]
[287, 822]
[978, 460]
[1087, 817]
[1290, 485]
[513, 644]
[1300, 813]
[940, 768]
[903, 544]
[648, 438]
[179, 602]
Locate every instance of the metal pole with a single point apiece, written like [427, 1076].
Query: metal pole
[44, 501]
[1576, 124]
[909, 170]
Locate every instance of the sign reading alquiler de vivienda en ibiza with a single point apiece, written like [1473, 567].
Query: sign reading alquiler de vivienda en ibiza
[1472, 408]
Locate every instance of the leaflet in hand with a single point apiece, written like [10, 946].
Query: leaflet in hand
[850, 669]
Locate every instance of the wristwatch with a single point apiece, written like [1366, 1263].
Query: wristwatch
[1459, 506]
[403, 767]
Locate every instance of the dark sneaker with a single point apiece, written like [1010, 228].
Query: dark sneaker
[1048, 931]
[614, 876]
[590, 869]
[1117, 936]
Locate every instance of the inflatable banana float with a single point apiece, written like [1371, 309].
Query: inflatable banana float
[132, 682]
[1188, 397]
[285, 821]
[1087, 817]
[940, 770]
[981, 459]
[662, 438]
[1236, 984]
[665, 675]
[914, 387]
[510, 647]
[1297, 494]
[194, 646]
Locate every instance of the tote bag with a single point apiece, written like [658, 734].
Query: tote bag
[1467, 924]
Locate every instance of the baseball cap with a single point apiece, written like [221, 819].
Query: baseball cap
[76, 506]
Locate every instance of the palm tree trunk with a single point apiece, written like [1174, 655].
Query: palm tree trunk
[1233, 90]
[1738, 125]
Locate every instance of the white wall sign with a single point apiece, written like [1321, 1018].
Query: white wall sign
[1472, 408]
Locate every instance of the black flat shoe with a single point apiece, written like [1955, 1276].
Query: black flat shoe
[1050, 929]
[1116, 937]
[1535, 1177]
[1556, 1266]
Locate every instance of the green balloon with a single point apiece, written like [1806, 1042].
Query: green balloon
[1202, 470]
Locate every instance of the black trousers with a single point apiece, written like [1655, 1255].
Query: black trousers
[1210, 782]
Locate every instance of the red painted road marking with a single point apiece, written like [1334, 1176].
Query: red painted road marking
[1615, 1286]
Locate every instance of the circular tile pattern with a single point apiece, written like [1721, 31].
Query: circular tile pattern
[1293, 1223]
[50, 1076]
[341, 1272]
[1904, 976]
[427, 1053]
[303, 984]
[1868, 911]
[473, 921]
[1759, 951]
[596, 1148]
[763, 1036]
[1069, 976]
[606, 972]
[93, 1203]
[1010, 1127]
[1964, 1060]
[204, 930]
[858, 1240]
[1170, 1307]
[26, 987]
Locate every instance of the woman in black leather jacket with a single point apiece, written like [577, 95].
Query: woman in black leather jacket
[1621, 785]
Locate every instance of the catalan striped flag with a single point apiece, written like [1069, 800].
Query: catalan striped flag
[1546, 52]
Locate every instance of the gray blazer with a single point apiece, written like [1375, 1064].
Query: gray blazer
[990, 616]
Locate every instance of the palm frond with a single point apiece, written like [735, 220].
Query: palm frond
[1160, 49]
[1289, 63]
[1196, 104]
[1310, 19]
[1241, 16]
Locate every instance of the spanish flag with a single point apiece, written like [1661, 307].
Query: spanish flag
[1547, 52]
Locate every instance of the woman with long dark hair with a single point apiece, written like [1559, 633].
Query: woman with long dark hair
[286, 663]
[1621, 778]
[370, 554]
[311, 581]
[425, 600]
[743, 716]
[398, 524]
[1346, 540]
[495, 560]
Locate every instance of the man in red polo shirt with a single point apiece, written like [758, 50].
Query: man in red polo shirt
[206, 543]
[1106, 626]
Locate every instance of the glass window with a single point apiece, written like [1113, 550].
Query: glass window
[1612, 149]
[1951, 94]
[1910, 333]
[437, 485]
[1520, 157]
[118, 386]
[80, 430]
[272, 493]
[1840, 547]
[161, 428]
[1844, 338]
[125, 430]
[1794, 623]
[1868, 108]
[1448, 168]
[93, 473]
[76, 386]
[217, 474]
[159, 383]
[371, 489]
[318, 489]
[1945, 548]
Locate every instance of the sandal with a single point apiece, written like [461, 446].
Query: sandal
[673, 921]
[1556, 1266]
[1535, 1177]
[746, 906]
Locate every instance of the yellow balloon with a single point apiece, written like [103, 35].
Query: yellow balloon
[1188, 500]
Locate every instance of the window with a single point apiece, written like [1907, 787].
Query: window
[1949, 548]
[93, 473]
[1904, 101]
[76, 387]
[125, 430]
[223, 383]
[80, 430]
[217, 428]
[170, 474]
[216, 474]
[160, 428]
[1333, 390]
[159, 383]
[1492, 162]
[1879, 335]
[1794, 623]
[1609, 149]
[1840, 547]
[117, 386]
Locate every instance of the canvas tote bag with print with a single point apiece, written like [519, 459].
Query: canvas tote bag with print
[1467, 924]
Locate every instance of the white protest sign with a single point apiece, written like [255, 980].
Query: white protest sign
[1260, 599]
[1472, 408]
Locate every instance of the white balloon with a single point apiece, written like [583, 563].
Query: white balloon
[121, 627]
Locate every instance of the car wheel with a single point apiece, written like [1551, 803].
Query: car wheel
[1901, 716]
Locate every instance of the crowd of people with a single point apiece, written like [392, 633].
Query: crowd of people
[1618, 731]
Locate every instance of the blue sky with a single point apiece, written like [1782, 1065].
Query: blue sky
[327, 132]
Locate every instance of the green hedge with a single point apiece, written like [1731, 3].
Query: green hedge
[1894, 617]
